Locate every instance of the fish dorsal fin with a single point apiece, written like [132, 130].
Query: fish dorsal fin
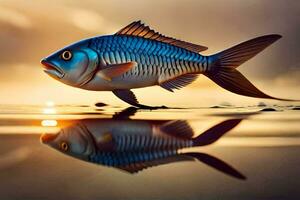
[137, 167]
[178, 128]
[139, 29]
[178, 82]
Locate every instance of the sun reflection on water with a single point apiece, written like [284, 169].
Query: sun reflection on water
[48, 122]
[49, 109]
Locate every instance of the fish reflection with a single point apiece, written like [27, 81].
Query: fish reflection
[134, 145]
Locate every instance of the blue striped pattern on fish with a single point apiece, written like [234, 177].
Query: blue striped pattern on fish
[154, 58]
[135, 148]
[127, 158]
[149, 142]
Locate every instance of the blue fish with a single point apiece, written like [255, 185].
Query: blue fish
[134, 145]
[137, 57]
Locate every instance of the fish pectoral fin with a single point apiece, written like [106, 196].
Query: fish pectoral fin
[178, 128]
[115, 70]
[106, 138]
[178, 82]
[105, 142]
[137, 167]
[139, 29]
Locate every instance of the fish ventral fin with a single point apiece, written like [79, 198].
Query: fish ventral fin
[217, 164]
[125, 114]
[115, 70]
[137, 167]
[129, 97]
[126, 95]
[179, 129]
[139, 29]
[178, 82]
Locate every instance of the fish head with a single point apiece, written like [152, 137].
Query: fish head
[73, 141]
[73, 65]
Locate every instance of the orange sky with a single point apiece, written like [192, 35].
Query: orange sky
[32, 29]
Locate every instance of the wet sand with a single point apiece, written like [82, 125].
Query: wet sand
[264, 147]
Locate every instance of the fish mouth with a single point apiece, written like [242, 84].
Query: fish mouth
[52, 70]
[46, 138]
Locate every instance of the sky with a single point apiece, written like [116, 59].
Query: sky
[32, 29]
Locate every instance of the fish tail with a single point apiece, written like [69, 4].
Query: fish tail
[216, 132]
[223, 66]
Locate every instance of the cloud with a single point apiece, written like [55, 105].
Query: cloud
[14, 18]
[89, 20]
[290, 77]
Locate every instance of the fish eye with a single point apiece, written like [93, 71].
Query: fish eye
[66, 55]
[64, 146]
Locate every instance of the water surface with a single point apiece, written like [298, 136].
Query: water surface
[264, 147]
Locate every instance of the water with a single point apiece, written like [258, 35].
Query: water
[264, 147]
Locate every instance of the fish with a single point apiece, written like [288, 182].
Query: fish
[134, 145]
[137, 56]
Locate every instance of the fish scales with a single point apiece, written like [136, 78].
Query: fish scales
[127, 158]
[134, 142]
[164, 58]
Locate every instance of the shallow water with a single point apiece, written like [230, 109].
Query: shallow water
[264, 147]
